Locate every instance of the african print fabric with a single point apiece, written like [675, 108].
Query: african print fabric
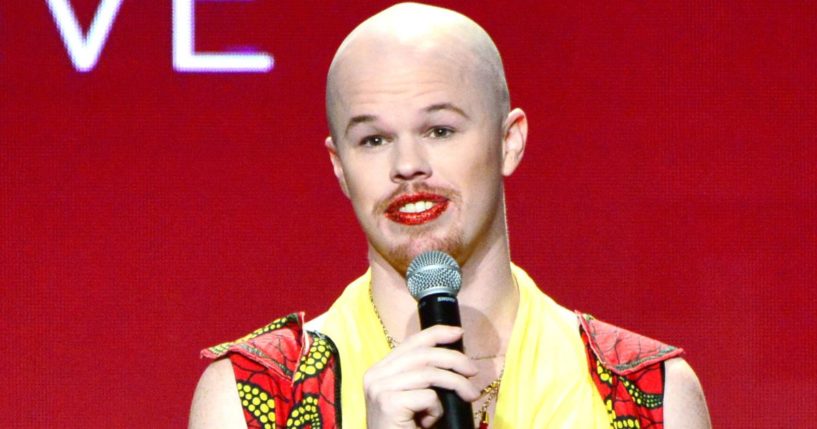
[628, 371]
[286, 377]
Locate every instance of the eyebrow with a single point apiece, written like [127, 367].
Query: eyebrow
[446, 106]
[359, 119]
[362, 119]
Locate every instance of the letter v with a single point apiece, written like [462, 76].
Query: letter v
[84, 52]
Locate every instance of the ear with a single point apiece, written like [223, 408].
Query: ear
[336, 165]
[515, 134]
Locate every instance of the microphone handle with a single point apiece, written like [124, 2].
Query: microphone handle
[443, 309]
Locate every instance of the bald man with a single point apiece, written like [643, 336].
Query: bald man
[422, 136]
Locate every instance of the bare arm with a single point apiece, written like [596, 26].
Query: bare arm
[684, 403]
[215, 403]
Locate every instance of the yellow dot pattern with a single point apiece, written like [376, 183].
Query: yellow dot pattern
[619, 422]
[611, 413]
[315, 360]
[640, 397]
[605, 374]
[257, 402]
[275, 324]
[304, 414]
[644, 399]
[626, 423]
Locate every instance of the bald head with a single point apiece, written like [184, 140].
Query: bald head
[414, 34]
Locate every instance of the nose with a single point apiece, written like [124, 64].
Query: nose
[409, 161]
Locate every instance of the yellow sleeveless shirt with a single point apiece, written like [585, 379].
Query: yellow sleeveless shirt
[546, 383]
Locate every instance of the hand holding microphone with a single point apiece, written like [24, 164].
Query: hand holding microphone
[424, 381]
[434, 278]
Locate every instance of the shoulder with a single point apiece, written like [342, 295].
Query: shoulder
[215, 401]
[271, 350]
[622, 351]
[684, 403]
[652, 368]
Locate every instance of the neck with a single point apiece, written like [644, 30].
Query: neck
[488, 299]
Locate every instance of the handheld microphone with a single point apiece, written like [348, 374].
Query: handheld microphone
[433, 279]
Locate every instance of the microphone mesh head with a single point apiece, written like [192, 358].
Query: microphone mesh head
[433, 272]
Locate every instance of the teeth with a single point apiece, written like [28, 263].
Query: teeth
[418, 207]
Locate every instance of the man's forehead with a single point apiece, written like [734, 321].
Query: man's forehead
[410, 95]
[404, 70]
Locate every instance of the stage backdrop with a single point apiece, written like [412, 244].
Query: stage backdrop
[164, 187]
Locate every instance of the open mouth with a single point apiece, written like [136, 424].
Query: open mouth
[416, 209]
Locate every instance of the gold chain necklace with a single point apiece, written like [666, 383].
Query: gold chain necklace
[490, 391]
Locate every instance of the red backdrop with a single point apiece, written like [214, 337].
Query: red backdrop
[668, 186]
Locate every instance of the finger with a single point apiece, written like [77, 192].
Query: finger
[424, 401]
[404, 408]
[448, 359]
[428, 377]
[433, 336]
[431, 414]
[426, 357]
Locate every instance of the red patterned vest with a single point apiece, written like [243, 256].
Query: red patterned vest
[290, 378]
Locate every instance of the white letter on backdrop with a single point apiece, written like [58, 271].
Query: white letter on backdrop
[84, 51]
[185, 58]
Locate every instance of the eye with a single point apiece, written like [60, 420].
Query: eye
[440, 132]
[372, 141]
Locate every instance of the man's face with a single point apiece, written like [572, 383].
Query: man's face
[419, 152]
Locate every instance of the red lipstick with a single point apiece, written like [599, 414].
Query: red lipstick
[438, 205]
